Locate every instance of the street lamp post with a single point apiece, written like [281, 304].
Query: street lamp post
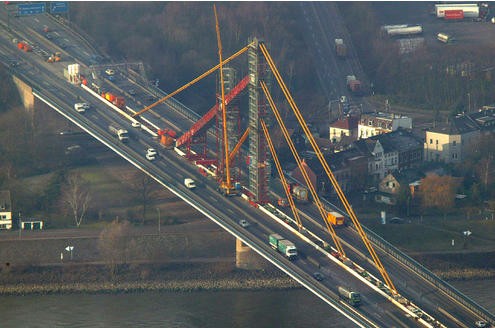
[158, 210]
[20, 225]
[469, 102]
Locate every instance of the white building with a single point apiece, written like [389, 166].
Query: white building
[5, 210]
[372, 124]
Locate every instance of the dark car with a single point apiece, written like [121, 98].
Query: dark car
[318, 276]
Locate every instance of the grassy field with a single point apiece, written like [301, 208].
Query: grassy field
[116, 191]
[436, 234]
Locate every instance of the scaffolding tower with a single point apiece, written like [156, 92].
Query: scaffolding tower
[259, 166]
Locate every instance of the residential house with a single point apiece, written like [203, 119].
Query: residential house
[349, 168]
[344, 127]
[5, 210]
[448, 142]
[484, 118]
[298, 175]
[372, 124]
[389, 152]
[390, 187]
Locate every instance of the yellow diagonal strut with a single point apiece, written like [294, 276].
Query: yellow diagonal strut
[309, 184]
[282, 175]
[185, 86]
[239, 144]
[329, 173]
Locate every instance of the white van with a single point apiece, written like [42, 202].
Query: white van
[189, 183]
[81, 107]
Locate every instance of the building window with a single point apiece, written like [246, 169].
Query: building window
[431, 141]
[436, 141]
[454, 143]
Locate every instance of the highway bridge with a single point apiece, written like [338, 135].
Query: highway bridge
[423, 300]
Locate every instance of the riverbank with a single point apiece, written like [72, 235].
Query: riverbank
[173, 277]
[176, 277]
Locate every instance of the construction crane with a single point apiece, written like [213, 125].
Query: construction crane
[329, 173]
[203, 121]
[225, 185]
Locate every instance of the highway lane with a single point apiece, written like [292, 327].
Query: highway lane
[138, 151]
[409, 284]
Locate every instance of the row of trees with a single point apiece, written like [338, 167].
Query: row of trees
[177, 40]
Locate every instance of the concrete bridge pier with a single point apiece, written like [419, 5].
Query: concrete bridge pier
[248, 259]
[26, 93]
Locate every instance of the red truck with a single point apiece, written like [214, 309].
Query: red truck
[353, 84]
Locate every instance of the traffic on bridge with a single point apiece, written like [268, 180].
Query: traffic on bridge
[201, 160]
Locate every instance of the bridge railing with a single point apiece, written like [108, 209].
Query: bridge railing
[417, 267]
[428, 275]
[422, 271]
[175, 104]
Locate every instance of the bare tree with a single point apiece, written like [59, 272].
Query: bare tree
[113, 244]
[143, 186]
[77, 197]
[438, 192]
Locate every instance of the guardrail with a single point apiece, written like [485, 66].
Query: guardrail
[175, 104]
[428, 275]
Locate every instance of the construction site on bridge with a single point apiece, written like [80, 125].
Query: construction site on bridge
[248, 173]
[235, 148]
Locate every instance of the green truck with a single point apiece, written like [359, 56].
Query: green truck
[353, 298]
[283, 246]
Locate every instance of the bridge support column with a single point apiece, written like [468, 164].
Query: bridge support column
[26, 93]
[248, 259]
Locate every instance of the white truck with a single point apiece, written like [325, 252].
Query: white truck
[283, 246]
[189, 183]
[119, 132]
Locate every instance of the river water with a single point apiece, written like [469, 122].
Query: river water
[225, 309]
[270, 309]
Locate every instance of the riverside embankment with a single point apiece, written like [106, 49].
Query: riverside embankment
[185, 257]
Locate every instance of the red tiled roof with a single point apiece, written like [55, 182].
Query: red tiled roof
[348, 123]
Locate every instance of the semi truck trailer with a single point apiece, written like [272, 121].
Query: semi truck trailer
[283, 246]
[353, 298]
